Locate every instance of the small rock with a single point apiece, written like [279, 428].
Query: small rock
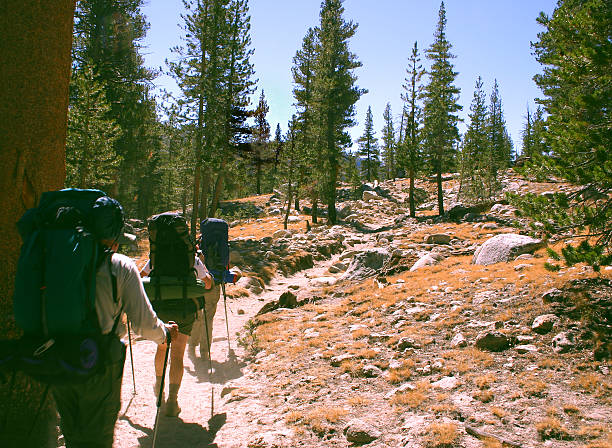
[336, 361]
[406, 342]
[563, 342]
[359, 432]
[371, 371]
[527, 348]
[544, 324]
[446, 383]
[458, 341]
[437, 238]
[492, 340]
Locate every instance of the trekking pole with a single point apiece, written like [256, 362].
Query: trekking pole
[229, 349]
[131, 354]
[212, 387]
[161, 390]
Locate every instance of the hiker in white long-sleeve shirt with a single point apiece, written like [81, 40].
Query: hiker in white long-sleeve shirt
[89, 410]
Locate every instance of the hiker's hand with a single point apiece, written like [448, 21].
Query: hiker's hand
[208, 280]
[171, 331]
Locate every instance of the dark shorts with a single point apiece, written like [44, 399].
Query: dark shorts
[180, 311]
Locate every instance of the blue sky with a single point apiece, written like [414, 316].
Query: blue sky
[490, 38]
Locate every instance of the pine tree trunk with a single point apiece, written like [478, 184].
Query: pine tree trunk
[35, 74]
[440, 193]
[205, 190]
[218, 188]
[289, 194]
[411, 194]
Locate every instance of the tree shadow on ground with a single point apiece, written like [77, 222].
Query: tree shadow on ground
[174, 432]
[222, 372]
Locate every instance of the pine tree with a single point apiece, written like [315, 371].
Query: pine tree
[368, 149]
[475, 173]
[576, 51]
[534, 143]
[107, 36]
[410, 154]
[91, 160]
[440, 98]
[308, 164]
[334, 94]
[500, 143]
[214, 73]
[389, 145]
[261, 137]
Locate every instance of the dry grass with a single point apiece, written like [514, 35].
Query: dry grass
[592, 383]
[293, 416]
[410, 399]
[358, 401]
[321, 419]
[571, 409]
[498, 412]
[592, 431]
[531, 386]
[552, 428]
[402, 373]
[484, 381]
[486, 396]
[441, 435]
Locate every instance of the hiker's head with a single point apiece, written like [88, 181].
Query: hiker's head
[108, 222]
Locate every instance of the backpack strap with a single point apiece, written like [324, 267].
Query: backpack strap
[115, 298]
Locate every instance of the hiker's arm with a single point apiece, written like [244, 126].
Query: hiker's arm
[136, 304]
[203, 273]
[146, 270]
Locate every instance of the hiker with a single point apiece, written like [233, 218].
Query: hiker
[211, 298]
[174, 309]
[214, 253]
[89, 410]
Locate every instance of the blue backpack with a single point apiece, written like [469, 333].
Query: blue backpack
[55, 285]
[215, 246]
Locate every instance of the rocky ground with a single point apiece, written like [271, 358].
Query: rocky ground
[383, 332]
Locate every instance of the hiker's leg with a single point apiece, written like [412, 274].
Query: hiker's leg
[159, 359]
[159, 367]
[211, 299]
[177, 352]
[88, 411]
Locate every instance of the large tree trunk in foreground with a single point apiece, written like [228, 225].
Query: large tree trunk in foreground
[34, 79]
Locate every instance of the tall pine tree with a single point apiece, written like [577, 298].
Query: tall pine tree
[368, 149]
[576, 53]
[410, 153]
[334, 94]
[389, 144]
[440, 96]
[475, 175]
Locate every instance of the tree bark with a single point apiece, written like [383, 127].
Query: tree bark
[34, 79]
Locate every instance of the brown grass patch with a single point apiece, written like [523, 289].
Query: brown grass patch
[532, 386]
[486, 396]
[442, 435]
[358, 401]
[484, 381]
[552, 428]
[411, 399]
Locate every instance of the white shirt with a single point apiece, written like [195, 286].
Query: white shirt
[131, 295]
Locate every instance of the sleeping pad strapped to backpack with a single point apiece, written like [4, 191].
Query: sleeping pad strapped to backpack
[171, 257]
[55, 286]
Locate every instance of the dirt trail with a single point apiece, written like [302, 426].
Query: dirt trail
[233, 422]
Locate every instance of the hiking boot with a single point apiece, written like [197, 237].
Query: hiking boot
[172, 408]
